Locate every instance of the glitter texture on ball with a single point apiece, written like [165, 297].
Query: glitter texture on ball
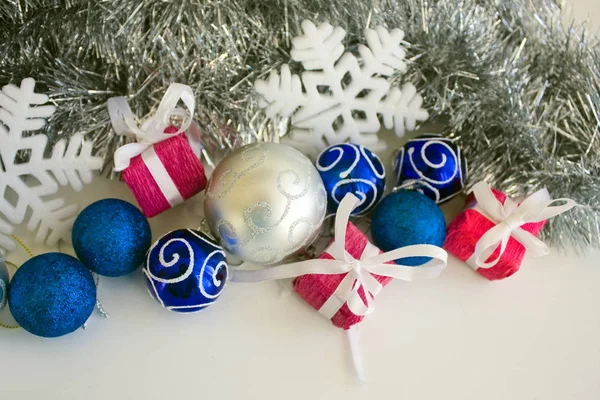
[52, 294]
[111, 237]
[404, 218]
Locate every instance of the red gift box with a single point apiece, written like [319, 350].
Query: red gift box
[161, 168]
[470, 225]
[316, 289]
[177, 159]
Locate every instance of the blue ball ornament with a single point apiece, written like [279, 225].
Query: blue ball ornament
[432, 165]
[350, 168]
[52, 294]
[111, 237]
[186, 271]
[404, 218]
[4, 278]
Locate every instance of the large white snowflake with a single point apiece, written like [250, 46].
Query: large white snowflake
[339, 98]
[24, 186]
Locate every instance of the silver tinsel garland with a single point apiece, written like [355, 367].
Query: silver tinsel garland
[517, 88]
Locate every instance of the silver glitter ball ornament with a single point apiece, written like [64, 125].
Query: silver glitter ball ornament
[265, 201]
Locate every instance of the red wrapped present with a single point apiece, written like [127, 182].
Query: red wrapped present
[342, 283]
[493, 233]
[161, 169]
[318, 289]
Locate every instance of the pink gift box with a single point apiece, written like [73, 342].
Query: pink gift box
[469, 226]
[315, 289]
[183, 167]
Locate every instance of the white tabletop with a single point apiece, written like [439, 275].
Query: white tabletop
[533, 336]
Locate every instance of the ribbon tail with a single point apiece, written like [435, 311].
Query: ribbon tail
[316, 266]
[338, 247]
[354, 341]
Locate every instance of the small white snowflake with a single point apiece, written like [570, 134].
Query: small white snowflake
[338, 98]
[24, 186]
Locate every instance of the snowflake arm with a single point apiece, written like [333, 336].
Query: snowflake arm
[71, 163]
[385, 54]
[18, 115]
[319, 48]
[337, 98]
[281, 95]
[401, 109]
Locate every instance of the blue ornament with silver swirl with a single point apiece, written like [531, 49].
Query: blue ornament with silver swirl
[4, 277]
[432, 165]
[350, 168]
[186, 271]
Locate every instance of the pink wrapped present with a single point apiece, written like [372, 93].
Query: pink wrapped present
[317, 289]
[161, 169]
[493, 233]
[342, 283]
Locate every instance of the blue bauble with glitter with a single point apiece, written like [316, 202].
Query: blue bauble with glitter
[111, 237]
[4, 278]
[186, 271]
[404, 218]
[432, 165]
[350, 168]
[52, 294]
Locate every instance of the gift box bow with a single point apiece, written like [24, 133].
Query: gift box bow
[152, 130]
[509, 217]
[359, 272]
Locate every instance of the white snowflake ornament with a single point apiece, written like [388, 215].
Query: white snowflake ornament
[24, 186]
[339, 98]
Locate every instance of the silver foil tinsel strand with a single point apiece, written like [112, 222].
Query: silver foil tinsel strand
[513, 80]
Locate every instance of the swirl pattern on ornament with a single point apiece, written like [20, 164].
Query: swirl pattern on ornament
[186, 271]
[349, 168]
[279, 196]
[432, 165]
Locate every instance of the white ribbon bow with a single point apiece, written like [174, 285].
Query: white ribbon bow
[359, 273]
[509, 217]
[152, 130]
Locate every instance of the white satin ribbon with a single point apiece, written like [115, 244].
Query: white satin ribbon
[359, 273]
[509, 217]
[152, 130]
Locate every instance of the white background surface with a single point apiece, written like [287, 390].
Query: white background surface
[534, 336]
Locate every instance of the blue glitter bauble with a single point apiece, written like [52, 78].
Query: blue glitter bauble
[186, 271]
[52, 294]
[432, 165]
[349, 168]
[111, 237]
[404, 218]
[4, 277]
